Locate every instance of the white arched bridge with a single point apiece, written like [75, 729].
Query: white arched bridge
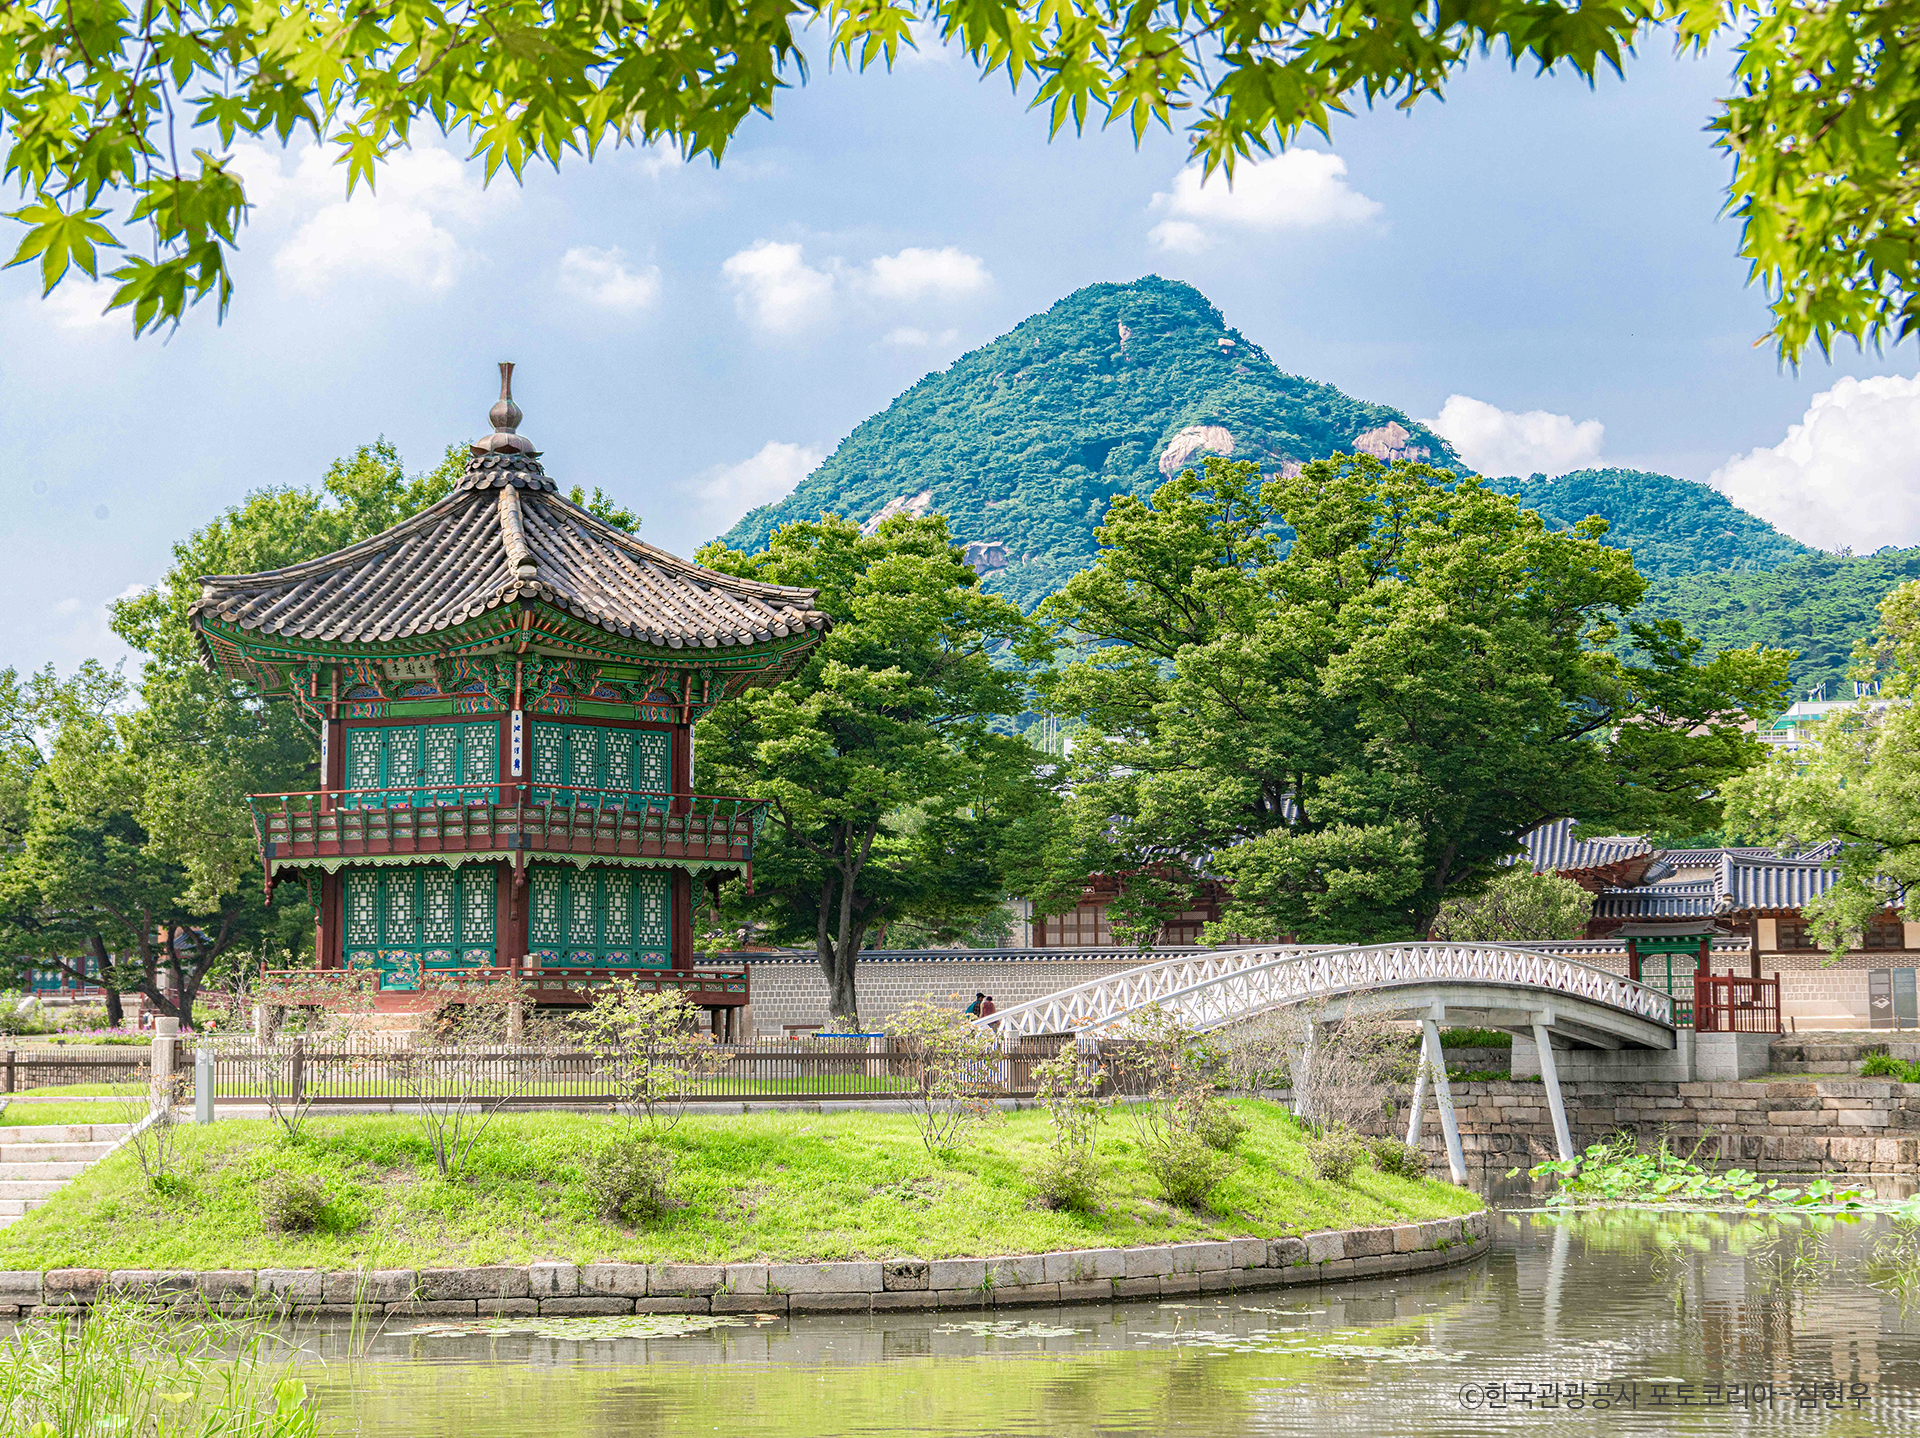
[1494, 986]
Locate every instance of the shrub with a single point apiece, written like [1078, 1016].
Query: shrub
[1186, 1168]
[630, 1178]
[952, 1069]
[1390, 1155]
[1334, 1153]
[1886, 1066]
[1068, 1177]
[294, 1203]
[1219, 1127]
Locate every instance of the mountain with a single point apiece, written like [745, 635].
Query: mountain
[1022, 442]
[1818, 605]
[1673, 526]
[1116, 388]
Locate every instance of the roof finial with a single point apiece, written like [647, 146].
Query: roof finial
[505, 414]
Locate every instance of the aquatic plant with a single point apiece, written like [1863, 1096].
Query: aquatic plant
[1616, 1170]
[128, 1369]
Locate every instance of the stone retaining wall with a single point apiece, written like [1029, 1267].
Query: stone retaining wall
[1094, 1275]
[1831, 1125]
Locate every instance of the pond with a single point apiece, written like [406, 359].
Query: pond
[1593, 1323]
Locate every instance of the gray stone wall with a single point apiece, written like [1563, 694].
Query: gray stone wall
[788, 993]
[1830, 1126]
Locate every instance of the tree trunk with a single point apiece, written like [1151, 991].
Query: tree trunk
[841, 1002]
[116, 1015]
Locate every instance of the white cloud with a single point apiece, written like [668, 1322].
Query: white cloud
[914, 275]
[1180, 236]
[728, 491]
[603, 278]
[402, 229]
[1293, 190]
[1498, 441]
[907, 337]
[1847, 475]
[79, 303]
[775, 289]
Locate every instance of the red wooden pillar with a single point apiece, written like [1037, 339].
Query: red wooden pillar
[327, 925]
[1753, 948]
[1633, 960]
[682, 890]
[509, 920]
[328, 918]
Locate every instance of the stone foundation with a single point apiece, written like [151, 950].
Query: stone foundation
[1093, 1275]
[1833, 1126]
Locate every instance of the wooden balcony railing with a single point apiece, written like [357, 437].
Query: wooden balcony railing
[1736, 1004]
[571, 820]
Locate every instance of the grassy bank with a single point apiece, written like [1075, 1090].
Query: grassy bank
[17, 1115]
[762, 1186]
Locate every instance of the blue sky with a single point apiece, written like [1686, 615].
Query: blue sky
[1539, 266]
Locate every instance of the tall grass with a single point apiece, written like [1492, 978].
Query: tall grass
[127, 1370]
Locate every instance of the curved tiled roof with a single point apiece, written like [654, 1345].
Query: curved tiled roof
[1773, 883]
[506, 534]
[1551, 848]
[1691, 900]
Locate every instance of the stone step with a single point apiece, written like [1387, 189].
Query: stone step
[18, 1207]
[33, 1172]
[51, 1152]
[30, 1188]
[62, 1132]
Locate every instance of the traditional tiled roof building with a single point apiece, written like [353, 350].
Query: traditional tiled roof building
[1683, 900]
[504, 687]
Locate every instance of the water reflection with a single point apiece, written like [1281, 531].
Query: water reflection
[1700, 1299]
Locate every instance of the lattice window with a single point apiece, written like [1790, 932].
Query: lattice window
[400, 909]
[544, 915]
[549, 766]
[477, 905]
[652, 910]
[619, 925]
[442, 745]
[480, 757]
[608, 916]
[403, 756]
[583, 932]
[652, 761]
[363, 759]
[437, 912]
[583, 754]
[618, 772]
[363, 908]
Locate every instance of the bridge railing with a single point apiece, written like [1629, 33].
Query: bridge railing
[1216, 988]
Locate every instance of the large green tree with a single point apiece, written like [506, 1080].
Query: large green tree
[119, 114]
[1858, 781]
[99, 885]
[892, 793]
[1350, 691]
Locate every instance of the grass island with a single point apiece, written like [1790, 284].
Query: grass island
[756, 1187]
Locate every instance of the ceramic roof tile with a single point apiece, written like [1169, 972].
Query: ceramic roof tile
[505, 533]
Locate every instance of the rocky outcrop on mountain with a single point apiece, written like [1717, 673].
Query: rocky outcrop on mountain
[1026, 440]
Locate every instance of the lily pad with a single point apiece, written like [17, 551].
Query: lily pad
[1010, 1328]
[577, 1330]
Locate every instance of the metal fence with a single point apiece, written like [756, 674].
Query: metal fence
[772, 1072]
